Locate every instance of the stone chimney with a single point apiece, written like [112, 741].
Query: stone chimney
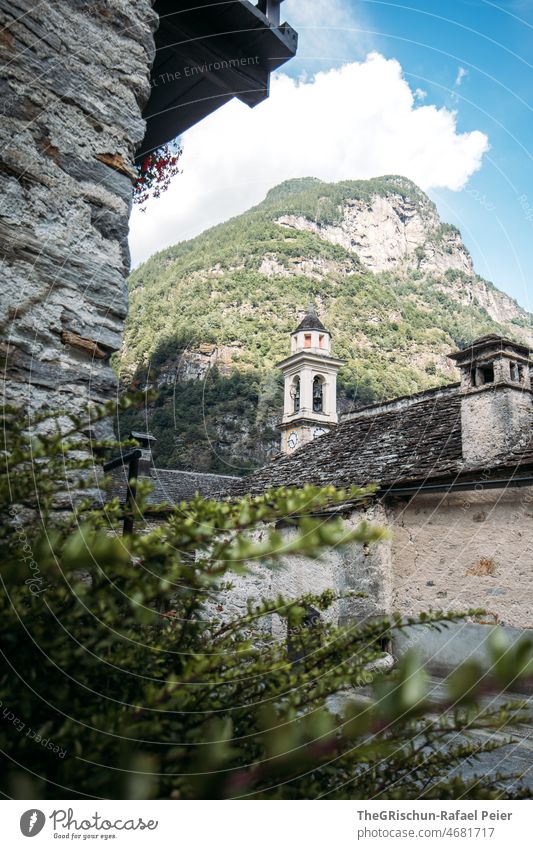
[496, 402]
[145, 440]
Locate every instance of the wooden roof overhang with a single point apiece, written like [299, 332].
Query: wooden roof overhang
[207, 53]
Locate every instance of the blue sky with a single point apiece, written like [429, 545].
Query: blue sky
[444, 98]
[492, 43]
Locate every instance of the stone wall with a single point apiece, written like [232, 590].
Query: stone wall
[443, 651]
[458, 551]
[354, 568]
[75, 79]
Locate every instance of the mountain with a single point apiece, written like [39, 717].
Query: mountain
[210, 317]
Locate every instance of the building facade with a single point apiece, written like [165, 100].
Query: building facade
[454, 474]
[453, 467]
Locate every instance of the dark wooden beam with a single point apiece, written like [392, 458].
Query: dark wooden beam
[122, 460]
[132, 459]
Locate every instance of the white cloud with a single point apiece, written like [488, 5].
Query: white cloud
[353, 122]
[420, 94]
[461, 74]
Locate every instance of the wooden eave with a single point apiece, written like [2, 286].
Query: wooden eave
[192, 41]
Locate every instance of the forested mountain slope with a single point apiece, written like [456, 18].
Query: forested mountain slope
[210, 317]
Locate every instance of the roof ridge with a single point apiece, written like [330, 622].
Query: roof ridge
[418, 397]
[196, 474]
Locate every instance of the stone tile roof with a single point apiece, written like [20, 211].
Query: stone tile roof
[311, 322]
[171, 486]
[415, 443]
[392, 445]
[490, 341]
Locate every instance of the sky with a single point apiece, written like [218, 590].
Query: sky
[438, 92]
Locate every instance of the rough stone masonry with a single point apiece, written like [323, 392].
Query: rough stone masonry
[75, 79]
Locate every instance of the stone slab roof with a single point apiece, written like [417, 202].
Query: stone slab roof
[171, 486]
[416, 443]
[391, 446]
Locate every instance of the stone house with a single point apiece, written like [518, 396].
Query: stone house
[87, 89]
[454, 473]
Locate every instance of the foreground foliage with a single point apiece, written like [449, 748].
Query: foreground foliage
[121, 678]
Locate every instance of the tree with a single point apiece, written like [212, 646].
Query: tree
[120, 679]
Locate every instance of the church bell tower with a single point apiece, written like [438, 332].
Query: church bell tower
[310, 374]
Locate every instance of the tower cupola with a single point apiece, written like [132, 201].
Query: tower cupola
[311, 334]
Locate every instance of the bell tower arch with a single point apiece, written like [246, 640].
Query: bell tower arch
[310, 379]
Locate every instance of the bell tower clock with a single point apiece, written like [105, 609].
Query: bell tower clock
[310, 377]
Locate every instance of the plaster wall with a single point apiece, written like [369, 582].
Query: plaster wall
[451, 552]
[467, 550]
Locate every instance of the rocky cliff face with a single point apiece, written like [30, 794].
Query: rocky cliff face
[393, 283]
[195, 364]
[392, 233]
[74, 82]
[402, 234]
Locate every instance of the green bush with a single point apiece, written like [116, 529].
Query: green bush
[121, 678]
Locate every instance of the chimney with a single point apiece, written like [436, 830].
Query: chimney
[145, 440]
[496, 398]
